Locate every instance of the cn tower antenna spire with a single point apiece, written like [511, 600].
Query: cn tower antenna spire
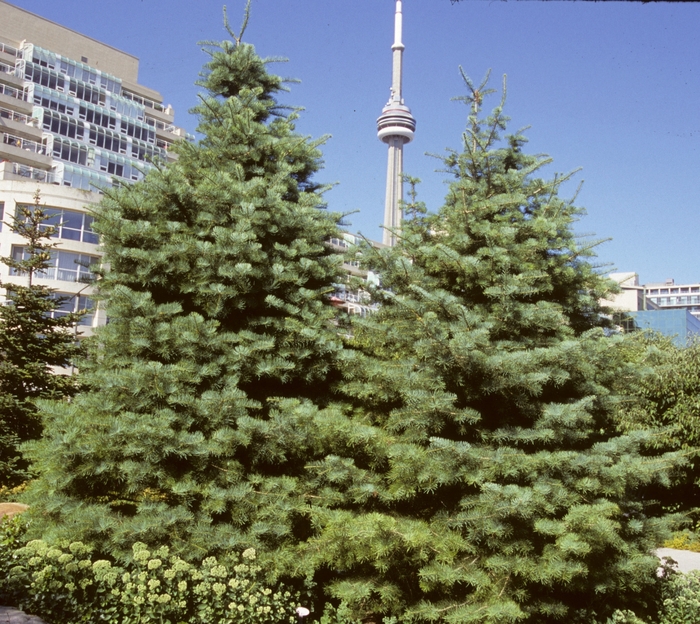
[395, 127]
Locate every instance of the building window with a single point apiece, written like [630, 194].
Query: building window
[137, 131]
[86, 92]
[99, 118]
[43, 76]
[63, 125]
[109, 140]
[64, 266]
[67, 303]
[69, 224]
[70, 151]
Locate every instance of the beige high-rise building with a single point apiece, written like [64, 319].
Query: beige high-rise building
[73, 118]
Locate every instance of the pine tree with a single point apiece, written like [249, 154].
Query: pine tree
[219, 321]
[33, 343]
[480, 476]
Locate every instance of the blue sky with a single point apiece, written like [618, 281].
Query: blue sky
[611, 87]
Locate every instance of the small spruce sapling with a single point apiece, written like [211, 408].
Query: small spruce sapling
[34, 343]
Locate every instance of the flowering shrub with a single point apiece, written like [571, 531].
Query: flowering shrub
[681, 602]
[65, 586]
[682, 599]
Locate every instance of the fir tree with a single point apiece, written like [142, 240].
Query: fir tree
[33, 343]
[479, 476]
[219, 321]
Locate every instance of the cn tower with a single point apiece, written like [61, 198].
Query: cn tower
[395, 127]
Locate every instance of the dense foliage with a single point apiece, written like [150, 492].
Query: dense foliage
[669, 403]
[481, 476]
[458, 459]
[34, 343]
[219, 321]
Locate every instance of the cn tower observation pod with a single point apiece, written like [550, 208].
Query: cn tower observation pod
[396, 120]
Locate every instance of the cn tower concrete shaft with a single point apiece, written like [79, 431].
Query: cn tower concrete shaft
[395, 127]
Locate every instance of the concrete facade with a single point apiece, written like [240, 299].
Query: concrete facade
[18, 25]
[73, 119]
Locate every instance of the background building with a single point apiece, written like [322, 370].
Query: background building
[671, 296]
[73, 118]
[638, 306]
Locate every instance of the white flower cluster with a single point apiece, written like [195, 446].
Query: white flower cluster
[156, 586]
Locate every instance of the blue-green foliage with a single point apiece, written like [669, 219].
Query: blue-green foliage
[457, 460]
[481, 476]
[215, 287]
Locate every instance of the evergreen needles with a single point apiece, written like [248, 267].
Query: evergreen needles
[456, 460]
[481, 476]
[218, 321]
[34, 342]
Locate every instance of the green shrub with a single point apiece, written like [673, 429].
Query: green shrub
[684, 540]
[12, 529]
[681, 602]
[65, 586]
[682, 599]
[625, 617]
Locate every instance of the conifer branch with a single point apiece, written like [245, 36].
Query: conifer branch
[227, 25]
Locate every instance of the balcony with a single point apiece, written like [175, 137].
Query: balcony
[23, 151]
[15, 171]
[19, 124]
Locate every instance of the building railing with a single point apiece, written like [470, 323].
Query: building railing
[25, 144]
[164, 145]
[9, 91]
[6, 113]
[7, 69]
[143, 101]
[35, 174]
[8, 49]
[161, 125]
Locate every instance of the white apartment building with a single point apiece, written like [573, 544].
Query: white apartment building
[671, 296]
[73, 118]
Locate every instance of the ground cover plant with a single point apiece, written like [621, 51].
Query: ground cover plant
[67, 584]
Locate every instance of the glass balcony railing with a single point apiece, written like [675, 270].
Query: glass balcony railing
[25, 144]
[9, 91]
[6, 113]
[49, 177]
[8, 49]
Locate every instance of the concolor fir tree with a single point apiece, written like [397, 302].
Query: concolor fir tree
[219, 320]
[34, 342]
[480, 478]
